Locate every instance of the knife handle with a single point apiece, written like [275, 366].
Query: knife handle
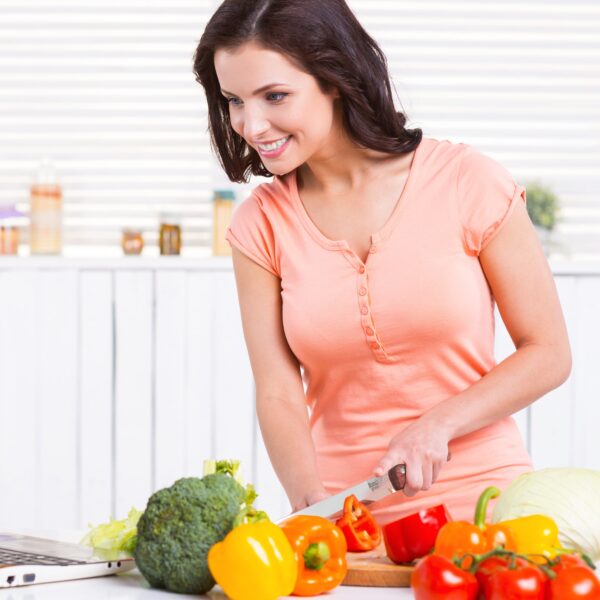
[397, 475]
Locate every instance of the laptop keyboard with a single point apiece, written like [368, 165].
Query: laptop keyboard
[18, 557]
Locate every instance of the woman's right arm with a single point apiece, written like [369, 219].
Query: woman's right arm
[280, 400]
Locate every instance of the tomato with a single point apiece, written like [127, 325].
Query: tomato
[438, 578]
[524, 582]
[574, 582]
[492, 565]
[566, 561]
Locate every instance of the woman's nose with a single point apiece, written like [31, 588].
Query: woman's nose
[255, 124]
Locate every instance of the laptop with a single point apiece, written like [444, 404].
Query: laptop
[25, 560]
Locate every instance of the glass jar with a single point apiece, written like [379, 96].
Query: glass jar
[9, 240]
[170, 238]
[223, 204]
[45, 212]
[132, 241]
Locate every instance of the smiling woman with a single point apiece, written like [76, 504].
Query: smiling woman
[320, 52]
[368, 269]
[275, 124]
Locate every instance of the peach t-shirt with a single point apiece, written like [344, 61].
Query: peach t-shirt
[382, 342]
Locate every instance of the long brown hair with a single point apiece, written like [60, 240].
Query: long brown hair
[324, 38]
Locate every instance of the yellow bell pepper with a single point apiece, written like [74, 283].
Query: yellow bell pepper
[535, 534]
[254, 561]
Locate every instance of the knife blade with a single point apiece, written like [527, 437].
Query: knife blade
[368, 491]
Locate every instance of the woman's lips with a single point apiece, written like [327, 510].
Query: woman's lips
[277, 151]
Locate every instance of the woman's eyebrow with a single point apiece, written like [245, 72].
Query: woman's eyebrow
[258, 91]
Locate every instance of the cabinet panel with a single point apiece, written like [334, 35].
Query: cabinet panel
[134, 443]
[19, 415]
[96, 396]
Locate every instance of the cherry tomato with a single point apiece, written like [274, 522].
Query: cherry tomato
[574, 582]
[566, 561]
[492, 565]
[438, 578]
[524, 582]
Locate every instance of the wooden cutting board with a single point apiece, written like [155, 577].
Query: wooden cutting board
[375, 569]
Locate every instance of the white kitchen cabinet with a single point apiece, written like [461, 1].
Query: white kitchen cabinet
[118, 377]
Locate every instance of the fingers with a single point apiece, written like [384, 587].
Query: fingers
[422, 468]
[385, 464]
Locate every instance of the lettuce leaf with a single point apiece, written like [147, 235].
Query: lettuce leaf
[116, 536]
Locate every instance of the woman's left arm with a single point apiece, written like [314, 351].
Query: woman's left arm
[523, 286]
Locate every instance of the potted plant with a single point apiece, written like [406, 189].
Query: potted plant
[543, 207]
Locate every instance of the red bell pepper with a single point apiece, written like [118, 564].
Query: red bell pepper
[414, 536]
[438, 578]
[358, 526]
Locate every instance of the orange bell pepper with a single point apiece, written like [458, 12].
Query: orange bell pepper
[461, 537]
[320, 550]
[359, 527]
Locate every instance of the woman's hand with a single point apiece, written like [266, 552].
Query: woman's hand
[310, 498]
[423, 447]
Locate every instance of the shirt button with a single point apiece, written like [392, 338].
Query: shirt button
[361, 269]
[362, 291]
[374, 345]
[369, 331]
[364, 310]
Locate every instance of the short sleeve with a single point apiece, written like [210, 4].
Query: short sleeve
[487, 195]
[251, 233]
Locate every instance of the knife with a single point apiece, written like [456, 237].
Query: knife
[367, 492]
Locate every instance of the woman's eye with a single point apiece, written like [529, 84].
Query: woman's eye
[280, 96]
[232, 101]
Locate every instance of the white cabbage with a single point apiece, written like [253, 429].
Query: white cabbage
[570, 496]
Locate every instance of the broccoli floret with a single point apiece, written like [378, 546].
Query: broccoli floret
[179, 526]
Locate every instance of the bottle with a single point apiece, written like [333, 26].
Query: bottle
[45, 211]
[223, 204]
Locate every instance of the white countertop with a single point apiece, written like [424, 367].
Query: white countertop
[559, 266]
[131, 585]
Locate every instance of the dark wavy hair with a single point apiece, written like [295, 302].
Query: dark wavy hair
[324, 38]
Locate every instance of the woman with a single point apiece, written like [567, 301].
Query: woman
[368, 268]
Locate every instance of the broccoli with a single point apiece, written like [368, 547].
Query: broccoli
[179, 526]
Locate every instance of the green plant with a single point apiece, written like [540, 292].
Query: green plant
[542, 205]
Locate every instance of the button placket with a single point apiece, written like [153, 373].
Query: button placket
[372, 340]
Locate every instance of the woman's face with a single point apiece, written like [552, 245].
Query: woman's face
[277, 108]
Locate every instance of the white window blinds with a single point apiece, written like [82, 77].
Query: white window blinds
[518, 80]
[106, 89]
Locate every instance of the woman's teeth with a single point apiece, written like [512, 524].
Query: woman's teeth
[274, 145]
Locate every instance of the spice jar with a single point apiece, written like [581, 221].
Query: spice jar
[9, 240]
[223, 204]
[169, 237]
[132, 241]
[45, 214]
[10, 222]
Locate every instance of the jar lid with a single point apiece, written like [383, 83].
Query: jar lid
[224, 195]
[169, 218]
[9, 212]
